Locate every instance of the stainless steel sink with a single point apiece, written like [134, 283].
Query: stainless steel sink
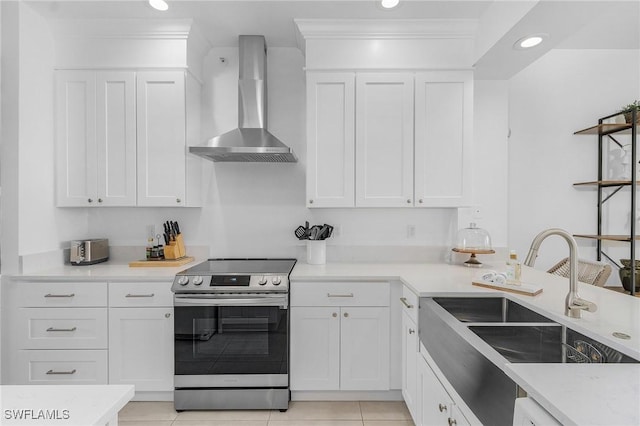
[488, 309]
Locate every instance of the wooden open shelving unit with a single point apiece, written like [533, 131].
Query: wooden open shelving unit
[608, 188]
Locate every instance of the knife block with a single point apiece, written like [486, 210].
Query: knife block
[175, 249]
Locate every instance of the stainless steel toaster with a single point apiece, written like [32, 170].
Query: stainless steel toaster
[88, 252]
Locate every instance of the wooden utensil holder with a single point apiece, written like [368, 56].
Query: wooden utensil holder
[175, 249]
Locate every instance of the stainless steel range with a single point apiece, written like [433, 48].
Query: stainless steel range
[231, 328]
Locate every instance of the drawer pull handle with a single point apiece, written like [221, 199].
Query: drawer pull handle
[407, 304]
[140, 295]
[411, 331]
[340, 295]
[452, 422]
[62, 372]
[59, 295]
[442, 408]
[61, 329]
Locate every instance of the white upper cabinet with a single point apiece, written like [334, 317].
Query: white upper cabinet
[116, 137]
[443, 140]
[330, 139]
[364, 153]
[384, 140]
[77, 183]
[122, 138]
[161, 138]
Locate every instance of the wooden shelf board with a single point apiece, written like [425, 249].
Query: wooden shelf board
[606, 183]
[607, 237]
[605, 129]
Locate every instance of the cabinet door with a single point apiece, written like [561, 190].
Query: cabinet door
[330, 140]
[161, 134]
[384, 140]
[432, 401]
[76, 183]
[444, 125]
[141, 348]
[364, 342]
[116, 138]
[315, 348]
[409, 363]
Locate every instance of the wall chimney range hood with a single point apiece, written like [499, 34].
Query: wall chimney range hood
[250, 142]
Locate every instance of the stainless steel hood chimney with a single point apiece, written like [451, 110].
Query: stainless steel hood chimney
[250, 142]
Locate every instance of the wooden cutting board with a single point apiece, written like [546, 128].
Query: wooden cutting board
[526, 289]
[161, 263]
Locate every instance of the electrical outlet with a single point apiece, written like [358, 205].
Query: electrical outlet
[411, 231]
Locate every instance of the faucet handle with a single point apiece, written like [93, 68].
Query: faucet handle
[577, 305]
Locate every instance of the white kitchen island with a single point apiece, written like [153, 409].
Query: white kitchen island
[69, 405]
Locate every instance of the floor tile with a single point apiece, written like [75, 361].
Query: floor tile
[145, 423]
[143, 410]
[319, 410]
[253, 415]
[219, 423]
[315, 423]
[384, 410]
[388, 423]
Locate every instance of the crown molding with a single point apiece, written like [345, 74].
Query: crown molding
[307, 29]
[138, 29]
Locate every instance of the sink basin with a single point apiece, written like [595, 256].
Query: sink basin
[488, 309]
[544, 344]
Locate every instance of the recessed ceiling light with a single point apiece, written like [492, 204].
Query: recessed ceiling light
[529, 41]
[159, 4]
[389, 4]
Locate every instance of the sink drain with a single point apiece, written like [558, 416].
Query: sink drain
[619, 335]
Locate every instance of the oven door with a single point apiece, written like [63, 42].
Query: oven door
[231, 341]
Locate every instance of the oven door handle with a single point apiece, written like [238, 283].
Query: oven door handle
[281, 301]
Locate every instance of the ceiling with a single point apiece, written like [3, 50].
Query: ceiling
[571, 24]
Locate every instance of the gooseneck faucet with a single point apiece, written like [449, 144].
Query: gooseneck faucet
[574, 305]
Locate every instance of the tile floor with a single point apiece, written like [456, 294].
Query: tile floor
[300, 413]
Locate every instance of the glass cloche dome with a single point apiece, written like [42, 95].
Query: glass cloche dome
[473, 240]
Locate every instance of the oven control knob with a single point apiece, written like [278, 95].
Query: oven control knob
[276, 280]
[183, 280]
[197, 280]
[262, 281]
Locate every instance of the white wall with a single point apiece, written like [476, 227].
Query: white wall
[42, 227]
[564, 91]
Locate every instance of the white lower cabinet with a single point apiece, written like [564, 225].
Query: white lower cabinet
[58, 367]
[141, 348]
[409, 363]
[434, 405]
[340, 336]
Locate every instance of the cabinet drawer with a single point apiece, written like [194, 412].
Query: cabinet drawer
[59, 294]
[410, 303]
[60, 367]
[123, 294]
[79, 328]
[338, 293]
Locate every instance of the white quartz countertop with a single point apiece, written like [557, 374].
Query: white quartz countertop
[605, 394]
[112, 271]
[584, 394]
[68, 405]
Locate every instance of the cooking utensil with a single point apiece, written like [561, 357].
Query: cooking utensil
[301, 233]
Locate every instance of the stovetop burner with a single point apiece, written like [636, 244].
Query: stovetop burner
[235, 276]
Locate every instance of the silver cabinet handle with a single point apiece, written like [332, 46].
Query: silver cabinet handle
[452, 422]
[99, 200]
[411, 331]
[61, 372]
[420, 200]
[178, 200]
[346, 314]
[61, 329]
[90, 200]
[407, 304]
[408, 201]
[59, 295]
[310, 201]
[340, 295]
[140, 295]
[167, 315]
[442, 408]
[334, 315]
